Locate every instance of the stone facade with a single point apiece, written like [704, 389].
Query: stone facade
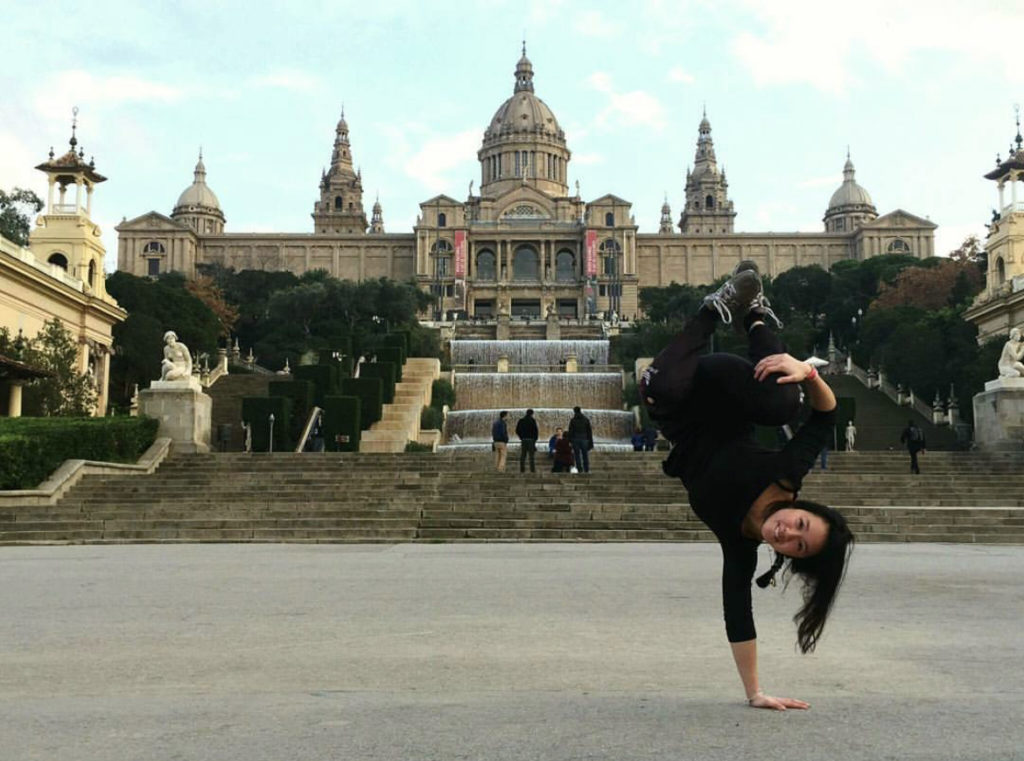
[525, 244]
[60, 275]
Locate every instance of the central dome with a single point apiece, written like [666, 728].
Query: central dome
[523, 143]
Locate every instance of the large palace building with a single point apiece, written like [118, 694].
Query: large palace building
[524, 244]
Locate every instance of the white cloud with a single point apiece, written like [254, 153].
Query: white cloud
[635, 108]
[16, 165]
[587, 159]
[829, 180]
[678, 74]
[438, 156]
[70, 87]
[595, 24]
[821, 44]
[288, 79]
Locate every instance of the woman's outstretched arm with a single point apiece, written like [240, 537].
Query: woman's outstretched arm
[793, 370]
[745, 655]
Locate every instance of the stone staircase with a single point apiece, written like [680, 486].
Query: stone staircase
[400, 421]
[355, 497]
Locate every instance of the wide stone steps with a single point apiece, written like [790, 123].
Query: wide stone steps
[290, 497]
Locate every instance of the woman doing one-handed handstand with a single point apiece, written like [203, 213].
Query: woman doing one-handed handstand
[707, 406]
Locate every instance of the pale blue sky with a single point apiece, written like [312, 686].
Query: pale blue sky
[922, 92]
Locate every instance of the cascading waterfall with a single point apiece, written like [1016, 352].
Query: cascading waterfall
[480, 396]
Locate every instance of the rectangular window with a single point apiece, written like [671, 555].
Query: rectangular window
[517, 163]
[153, 267]
[602, 290]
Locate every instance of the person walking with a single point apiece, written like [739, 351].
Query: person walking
[499, 441]
[913, 437]
[707, 405]
[526, 430]
[582, 437]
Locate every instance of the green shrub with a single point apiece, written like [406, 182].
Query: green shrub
[341, 421]
[441, 393]
[323, 377]
[256, 411]
[301, 393]
[32, 448]
[398, 338]
[415, 446]
[371, 398]
[431, 418]
[393, 354]
[386, 372]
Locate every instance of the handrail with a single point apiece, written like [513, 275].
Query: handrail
[307, 429]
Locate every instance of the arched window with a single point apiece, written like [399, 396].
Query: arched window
[1000, 271]
[92, 274]
[153, 247]
[525, 264]
[441, 252]
[338, 203]
[486, 266]
[609, 220]
[610, 251]
[709, 202]
[60, 260]
[899, 246]
[442, 219]
[565, 267]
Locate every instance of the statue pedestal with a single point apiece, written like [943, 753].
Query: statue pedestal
[553, 328]
[999, 415]
[183, 410]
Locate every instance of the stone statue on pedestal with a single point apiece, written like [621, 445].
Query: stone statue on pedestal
[1010, 364]
[851, 436]
[177, 362]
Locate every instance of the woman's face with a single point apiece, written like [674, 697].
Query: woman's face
[795, 532]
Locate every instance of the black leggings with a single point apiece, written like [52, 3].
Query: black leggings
[694, 395]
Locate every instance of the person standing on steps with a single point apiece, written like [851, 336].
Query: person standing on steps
[526, 430]
[499, 441]
[707, 405]
[564, 460]
[553, 442]
[913, 437]
[582, 437]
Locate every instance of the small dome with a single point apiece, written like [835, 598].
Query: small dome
[849, 193]
[198, 193]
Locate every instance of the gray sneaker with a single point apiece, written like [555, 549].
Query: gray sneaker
[761, 307]
[735, 296]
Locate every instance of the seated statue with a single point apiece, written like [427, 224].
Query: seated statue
[177, 362]
[1010, 365]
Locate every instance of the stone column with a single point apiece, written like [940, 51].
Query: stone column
[14, 400]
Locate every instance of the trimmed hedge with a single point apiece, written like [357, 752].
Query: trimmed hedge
[397, 338]
[371, 398]
[301, 393]
[323, 377]
[341, 418]
[386, 372]
[441, 393]
[32, 448]
[393, 354]
[256, 410]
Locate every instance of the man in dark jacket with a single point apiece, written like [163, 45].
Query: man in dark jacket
[913, 437]
[526, 430]
[499, 439]
[582, 437]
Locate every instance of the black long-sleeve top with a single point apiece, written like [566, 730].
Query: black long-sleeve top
[724, 482]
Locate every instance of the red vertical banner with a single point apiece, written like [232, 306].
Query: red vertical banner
[591, 263]
[460, 253]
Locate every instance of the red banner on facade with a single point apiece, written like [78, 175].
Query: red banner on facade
[460, 253]
[591, 253]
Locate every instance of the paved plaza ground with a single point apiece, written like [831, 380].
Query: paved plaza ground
[493, 652]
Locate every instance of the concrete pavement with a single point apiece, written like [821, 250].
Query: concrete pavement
[501, 651]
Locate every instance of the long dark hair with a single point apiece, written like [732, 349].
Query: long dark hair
[822, 574]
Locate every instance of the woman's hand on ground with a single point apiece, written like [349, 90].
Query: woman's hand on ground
[791, 368]
[760, 700]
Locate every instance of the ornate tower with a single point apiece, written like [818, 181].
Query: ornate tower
[850, 206]
[666, 219]
[340, 208]
[197, 205]
[523, 145]
[377, 220]
[65, 234]
[708, 209]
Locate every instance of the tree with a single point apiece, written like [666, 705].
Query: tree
[68, 392]
[16, 209]
[206, 290]
[946, 283]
